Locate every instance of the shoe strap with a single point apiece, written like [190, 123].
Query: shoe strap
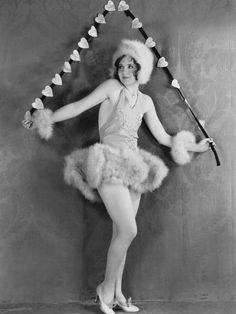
[129, 301]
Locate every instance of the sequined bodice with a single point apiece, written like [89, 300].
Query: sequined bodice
[121, 128]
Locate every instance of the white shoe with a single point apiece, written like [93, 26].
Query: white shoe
[129, 307]
[105, 308]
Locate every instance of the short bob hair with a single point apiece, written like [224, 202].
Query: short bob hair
[140, 53]
[117, 62]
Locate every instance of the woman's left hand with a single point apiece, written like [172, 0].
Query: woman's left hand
[204, 145]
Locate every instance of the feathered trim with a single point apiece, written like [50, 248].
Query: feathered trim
[157, 171]
[74, 174]
[43, 123]
[86, 169]
[141, 53]
[178, 149]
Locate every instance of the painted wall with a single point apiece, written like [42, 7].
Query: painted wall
[53, 243]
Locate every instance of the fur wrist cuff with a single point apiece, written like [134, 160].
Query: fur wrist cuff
[43, 123]
[178, 149]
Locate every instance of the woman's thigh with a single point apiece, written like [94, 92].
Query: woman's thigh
[135, 197]
[119, 205]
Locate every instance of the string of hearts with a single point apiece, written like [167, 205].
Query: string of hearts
[83, 43]
[92, 33]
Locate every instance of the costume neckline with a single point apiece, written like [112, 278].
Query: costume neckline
[132, 103]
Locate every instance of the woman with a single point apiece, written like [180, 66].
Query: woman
[115, 170]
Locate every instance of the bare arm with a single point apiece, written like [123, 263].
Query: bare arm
[154, 124]
[158, 131]
[74, 109]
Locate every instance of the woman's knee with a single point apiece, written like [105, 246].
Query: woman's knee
[128, 233]
[134, 232]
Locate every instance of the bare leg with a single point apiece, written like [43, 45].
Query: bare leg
[119, 205]
[118, 287]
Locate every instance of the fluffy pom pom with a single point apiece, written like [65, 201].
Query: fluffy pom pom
[42, 123]
[178, 149]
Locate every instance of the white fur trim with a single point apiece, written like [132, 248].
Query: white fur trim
[141, 53]
[178, 150]
[42, 122]
[74, 174]
[157, 171]
[86, 169]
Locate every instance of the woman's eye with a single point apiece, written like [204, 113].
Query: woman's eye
[130, 66]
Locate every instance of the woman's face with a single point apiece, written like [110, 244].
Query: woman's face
[127, 70]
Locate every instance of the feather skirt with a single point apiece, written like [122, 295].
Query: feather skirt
[86, 169]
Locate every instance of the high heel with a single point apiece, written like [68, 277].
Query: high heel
[106, 309]
[129, 307]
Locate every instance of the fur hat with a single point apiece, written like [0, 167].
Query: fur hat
[142, 55]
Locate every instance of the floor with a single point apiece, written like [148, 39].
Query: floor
[145, 308]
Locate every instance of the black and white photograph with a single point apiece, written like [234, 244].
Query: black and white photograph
[117, 156]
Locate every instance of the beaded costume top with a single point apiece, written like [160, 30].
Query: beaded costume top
[120, 130]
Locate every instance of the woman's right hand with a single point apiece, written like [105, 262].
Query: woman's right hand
[28, 120]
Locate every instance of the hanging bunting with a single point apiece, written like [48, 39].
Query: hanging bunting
[67, 67]
[175, 84]
[162, 63]
[100, 19]
[57, 79]
[47, 91]
[83, 43]
[110, 6]
[38, 104]
[136, 23]
[150, 43]
[75, 56]
[123, 6]
[93, 32]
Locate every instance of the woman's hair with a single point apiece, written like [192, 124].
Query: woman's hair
[141, 55]
[117, 63]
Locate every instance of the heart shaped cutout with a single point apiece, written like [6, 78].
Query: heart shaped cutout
[110, 6]
[162, 63]
[136, 23]
[93, 32]
[150, 43]
[83, 43]
[57, 79]
[67, 67]
[175, 83]
[100, 19]
[123, 6]
[202, 122]
[75, 56]
[47, 91]
[38, 104]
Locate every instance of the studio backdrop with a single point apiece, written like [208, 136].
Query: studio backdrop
[53, 242]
